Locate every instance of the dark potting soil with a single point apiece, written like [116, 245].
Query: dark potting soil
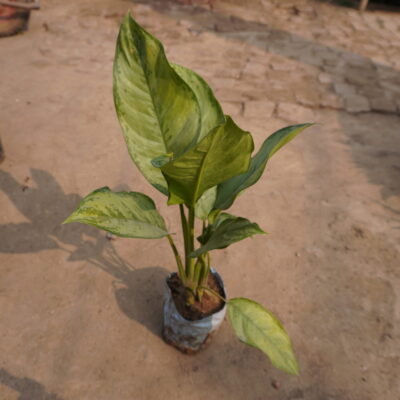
[208, 305]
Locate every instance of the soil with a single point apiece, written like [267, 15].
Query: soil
[208, 305]
[81, 315]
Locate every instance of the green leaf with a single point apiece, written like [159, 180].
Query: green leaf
[157, 110]
[161, 160]
[211, 111]
[205, 204]
[227, 229]
[223, 153]
[229, 190]
[126, 214]
[258, 327]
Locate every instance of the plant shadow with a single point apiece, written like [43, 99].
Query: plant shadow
[28, 389]
[43, 203]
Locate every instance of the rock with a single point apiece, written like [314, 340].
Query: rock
[361, 76]
[355, 103]
[294, 113]
[383, 104]
[232, 108]
[343, 89]
[325, 78]
[259, 109]
[286, 66]
[254, 69]
[308, 98]
[331, 101]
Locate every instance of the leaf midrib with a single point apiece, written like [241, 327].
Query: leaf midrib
[200, 172]
[150, 92]
[121, 219]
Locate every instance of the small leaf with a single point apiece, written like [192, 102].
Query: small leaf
[223, 153]
[126, 214]
[229, 190]
[205, 204]
[258, 327]
[227, 229]
[157, 110]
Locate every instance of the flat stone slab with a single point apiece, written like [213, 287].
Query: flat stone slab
[355, 103]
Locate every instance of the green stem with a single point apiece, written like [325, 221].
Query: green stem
[198, 268]
[190, 260]
[181, 271]
[206, 271]
[184, 233]
[191, 229]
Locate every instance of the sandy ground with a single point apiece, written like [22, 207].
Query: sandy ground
[81, 315]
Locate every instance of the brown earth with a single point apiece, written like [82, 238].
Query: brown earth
[81, 314]
[208, 305]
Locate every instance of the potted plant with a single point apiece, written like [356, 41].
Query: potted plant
[181, 141]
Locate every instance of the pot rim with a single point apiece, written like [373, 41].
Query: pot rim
[221, 283]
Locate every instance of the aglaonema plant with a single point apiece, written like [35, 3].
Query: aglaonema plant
[184, 145]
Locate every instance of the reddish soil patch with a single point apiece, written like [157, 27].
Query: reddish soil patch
[208, 305]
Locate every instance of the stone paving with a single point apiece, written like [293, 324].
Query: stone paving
[354, 56]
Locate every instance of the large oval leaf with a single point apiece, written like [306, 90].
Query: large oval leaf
[126, 214]
[228, 190]
[210, 110]
[223, 153]
[228, 229]
[157, 110]
[258, 327]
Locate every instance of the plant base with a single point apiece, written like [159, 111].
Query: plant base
[189, 336]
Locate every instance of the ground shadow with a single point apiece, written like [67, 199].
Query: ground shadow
[28, 388]
[348, 71]
[139, 294]
[42, 201]
[386, 5]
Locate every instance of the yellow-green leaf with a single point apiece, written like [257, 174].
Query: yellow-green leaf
[229, 190]
[227, 229]
[223, 153]
[126, 214]
[157, 110]
[258, 327]
[210, 110]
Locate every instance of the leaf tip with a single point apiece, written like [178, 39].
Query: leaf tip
[294, 368]
[68, 220]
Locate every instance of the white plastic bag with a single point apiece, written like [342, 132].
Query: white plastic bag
[189, 336]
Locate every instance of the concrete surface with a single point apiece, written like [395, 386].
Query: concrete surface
[81, 315]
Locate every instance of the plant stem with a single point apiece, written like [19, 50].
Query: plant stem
[190, 261]
[198, 267]
[206, 271]
[184, 233]
[214, 293]
[181, 271]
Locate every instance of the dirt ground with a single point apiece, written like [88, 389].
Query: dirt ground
[81, 315]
